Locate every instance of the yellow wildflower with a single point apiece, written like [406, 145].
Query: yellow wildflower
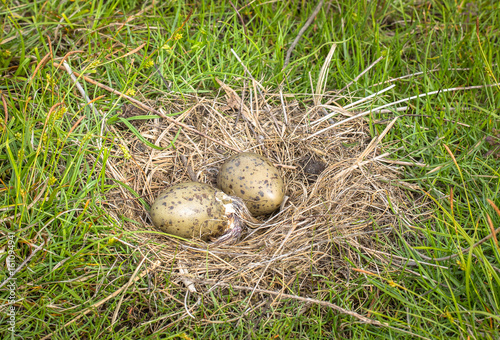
[130, 92]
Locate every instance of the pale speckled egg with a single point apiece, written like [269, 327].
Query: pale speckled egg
[190, 210]
[254, 179]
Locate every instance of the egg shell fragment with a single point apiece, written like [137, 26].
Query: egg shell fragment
[190, 210]
[254, 179]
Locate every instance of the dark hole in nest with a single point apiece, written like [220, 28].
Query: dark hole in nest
[312, 166]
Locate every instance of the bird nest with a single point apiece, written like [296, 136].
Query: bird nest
[344, 201]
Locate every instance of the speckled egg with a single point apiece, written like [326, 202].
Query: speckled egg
[254, 179]
[192, 209]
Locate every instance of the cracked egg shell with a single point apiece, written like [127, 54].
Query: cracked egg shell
[254, 179]
[190, 210]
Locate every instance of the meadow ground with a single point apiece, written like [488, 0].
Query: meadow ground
[410, 251]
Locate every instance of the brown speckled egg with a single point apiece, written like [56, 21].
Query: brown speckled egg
[190, 210]
[254, 179]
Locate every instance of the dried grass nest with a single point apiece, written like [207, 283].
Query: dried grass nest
[342, 194]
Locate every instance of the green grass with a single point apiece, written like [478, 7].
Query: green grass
[451, 43]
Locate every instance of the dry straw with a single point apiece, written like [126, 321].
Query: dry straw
[341, 194]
